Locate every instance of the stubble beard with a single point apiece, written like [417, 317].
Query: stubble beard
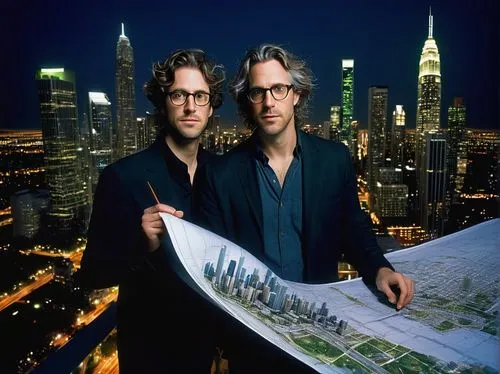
[282, 127]
[181, 137]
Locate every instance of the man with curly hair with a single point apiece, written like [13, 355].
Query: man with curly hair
[125, 246]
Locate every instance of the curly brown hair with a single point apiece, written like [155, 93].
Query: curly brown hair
[164, 76]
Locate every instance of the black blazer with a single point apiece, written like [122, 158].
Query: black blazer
[228, 203]
[152, 294]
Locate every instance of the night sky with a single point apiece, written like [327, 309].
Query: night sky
[385, 38]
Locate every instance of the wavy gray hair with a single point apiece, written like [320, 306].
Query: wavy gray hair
[300, 76]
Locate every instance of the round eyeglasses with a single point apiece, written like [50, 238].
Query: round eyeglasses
[179, 97]
[279, 92]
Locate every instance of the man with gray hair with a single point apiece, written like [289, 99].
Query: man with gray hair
[288, 197]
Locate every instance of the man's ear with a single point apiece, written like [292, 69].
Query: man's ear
[296, 97]
[211, 111]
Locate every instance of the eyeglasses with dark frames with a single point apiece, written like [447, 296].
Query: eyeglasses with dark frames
[278, 91]
[179, 97]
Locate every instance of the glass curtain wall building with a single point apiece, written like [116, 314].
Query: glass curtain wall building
[59, 120]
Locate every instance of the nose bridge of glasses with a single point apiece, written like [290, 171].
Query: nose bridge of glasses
[268, 95]
[190, 98]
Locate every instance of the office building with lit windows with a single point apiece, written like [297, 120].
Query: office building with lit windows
[377, 121]
[397, 137]
[457, 147]
[347, 102]
[59, 120]
[147, 131]
[100, 135]
[432, 186]
[335, 122]
[28, 207]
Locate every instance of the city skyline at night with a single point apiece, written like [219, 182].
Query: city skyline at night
[384, 39]
[74, 103]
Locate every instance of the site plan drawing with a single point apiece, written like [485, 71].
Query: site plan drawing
[452, 325]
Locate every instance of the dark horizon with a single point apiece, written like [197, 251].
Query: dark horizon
[385, 41]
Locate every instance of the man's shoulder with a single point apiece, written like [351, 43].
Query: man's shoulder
[323, 145]
[130, 165]
[207, 156]
[234, 157]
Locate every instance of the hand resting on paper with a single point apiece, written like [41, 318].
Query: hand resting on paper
[398, 288]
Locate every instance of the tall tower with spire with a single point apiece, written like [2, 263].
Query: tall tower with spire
[125, 98]
[429, 85]
[430, 151]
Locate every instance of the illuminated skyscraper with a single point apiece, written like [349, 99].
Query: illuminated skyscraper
[429, 85]
[59, 119]
[482, 165]
[392, 195]
[347, 102]
[397, 137]
[456, 161]
[28, 207]
[147, 131]
[334, 122]
[126, 121]
[362, 143]
[100, 135]
[457, 147]
[428, 121]
[377, 121]
[432, 187]
[83, 156]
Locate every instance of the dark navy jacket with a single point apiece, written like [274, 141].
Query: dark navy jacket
[228, 203]
[153, 299]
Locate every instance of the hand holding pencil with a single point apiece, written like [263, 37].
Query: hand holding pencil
[152, 223]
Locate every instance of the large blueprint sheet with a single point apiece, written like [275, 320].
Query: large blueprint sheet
[450, 327]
